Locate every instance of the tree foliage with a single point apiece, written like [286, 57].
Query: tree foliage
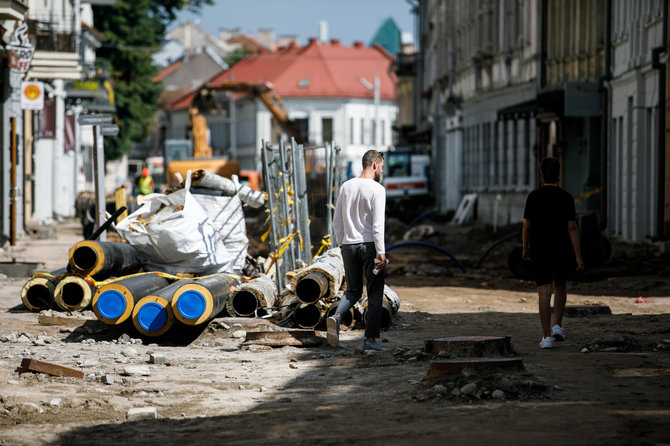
[133, 31]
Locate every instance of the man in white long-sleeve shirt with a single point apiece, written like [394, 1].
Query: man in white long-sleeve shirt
[359, 230]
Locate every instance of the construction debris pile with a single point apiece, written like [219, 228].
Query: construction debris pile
[184, 260]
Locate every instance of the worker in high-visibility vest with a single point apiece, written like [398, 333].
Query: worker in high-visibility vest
[145, 185]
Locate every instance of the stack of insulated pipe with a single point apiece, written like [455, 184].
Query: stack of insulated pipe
[74, 292]
[113, 303]
[101, 260]
[198, 301]
[252, 298]
[390, 306]
[310, 315]
[317, 284]
[152, 315]
[38, 292]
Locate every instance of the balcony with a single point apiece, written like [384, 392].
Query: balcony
[51, 35]
[12, 10]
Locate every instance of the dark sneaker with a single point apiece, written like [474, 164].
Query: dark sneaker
[373, 345]
[333, 334]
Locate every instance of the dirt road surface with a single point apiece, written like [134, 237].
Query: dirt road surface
[609, 383]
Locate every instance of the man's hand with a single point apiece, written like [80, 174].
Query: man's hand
[524, 254]
[381, 265]
[580, 263]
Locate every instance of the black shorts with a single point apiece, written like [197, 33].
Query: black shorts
[549, 269]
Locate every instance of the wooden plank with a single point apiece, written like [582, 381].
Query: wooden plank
[33, 365]
[297, 338]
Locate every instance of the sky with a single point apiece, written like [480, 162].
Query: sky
[348, 20]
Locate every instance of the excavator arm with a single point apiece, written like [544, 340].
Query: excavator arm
[206, 100]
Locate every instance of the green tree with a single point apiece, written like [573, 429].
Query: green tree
[133, 31]
[236, 55]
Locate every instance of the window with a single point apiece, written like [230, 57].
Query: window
[327, 129]
[302, 127]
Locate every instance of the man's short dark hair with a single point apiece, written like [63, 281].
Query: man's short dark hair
[371, 156]
[550, 169]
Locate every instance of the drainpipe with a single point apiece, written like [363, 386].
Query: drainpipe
[57, 189]
[603, 87]
[663, 219]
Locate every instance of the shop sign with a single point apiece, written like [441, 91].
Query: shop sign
[20, 49]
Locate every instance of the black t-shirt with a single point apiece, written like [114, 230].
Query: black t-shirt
[549, 210]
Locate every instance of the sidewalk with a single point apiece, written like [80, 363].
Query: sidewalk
[50, 251]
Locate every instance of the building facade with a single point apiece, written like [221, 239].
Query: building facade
[500, 84]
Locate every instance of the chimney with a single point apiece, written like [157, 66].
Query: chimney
[312, 41]
[358, 44]
[323, 31]
[335, 42]
[266, 37]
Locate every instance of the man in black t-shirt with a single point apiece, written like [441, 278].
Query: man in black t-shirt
[551, 242]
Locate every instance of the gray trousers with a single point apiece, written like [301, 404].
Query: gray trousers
[358, 260]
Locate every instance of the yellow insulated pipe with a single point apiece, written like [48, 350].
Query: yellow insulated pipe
[113, 302]
[74, 293]
[38, 292]
[200, 300]
[153, 315]
[102, 259]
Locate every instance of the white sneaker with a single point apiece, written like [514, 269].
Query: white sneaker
[557, 333]
[546, 343]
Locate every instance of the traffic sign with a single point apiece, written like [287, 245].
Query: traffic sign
[94, 119]
[110, 130]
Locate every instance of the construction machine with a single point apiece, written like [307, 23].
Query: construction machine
[184, 155]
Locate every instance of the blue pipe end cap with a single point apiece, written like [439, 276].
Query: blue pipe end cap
[111, 304]
[191, 304]
[152, 316]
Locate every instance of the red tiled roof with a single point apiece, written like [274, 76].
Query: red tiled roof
[314, 70]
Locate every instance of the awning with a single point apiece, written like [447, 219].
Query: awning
[545, 103]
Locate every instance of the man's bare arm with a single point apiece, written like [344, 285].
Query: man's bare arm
[573, 232]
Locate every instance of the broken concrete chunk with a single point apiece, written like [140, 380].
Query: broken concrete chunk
[239, 334]
[136, 370]
[157, 358]
[129, 352]
[107, 379]
[142, 413]
[9, 336]
[56, 402]
[30, 409]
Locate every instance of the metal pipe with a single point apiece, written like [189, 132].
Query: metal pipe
[298, 198]
[74, 293]
[153, 315]
[12, 193]
[113, 303]
[102, 259]
[309, 315]
[199, 301]
[99, 178]
[38, 292]
[250, 296]
[312, 287]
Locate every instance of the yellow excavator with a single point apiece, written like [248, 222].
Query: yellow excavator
[205, 101]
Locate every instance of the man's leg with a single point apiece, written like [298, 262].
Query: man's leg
[544, 304]
[353, 274]
[375, 287]
[560, 299]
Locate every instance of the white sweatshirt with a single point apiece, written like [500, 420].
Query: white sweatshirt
[359, 213]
